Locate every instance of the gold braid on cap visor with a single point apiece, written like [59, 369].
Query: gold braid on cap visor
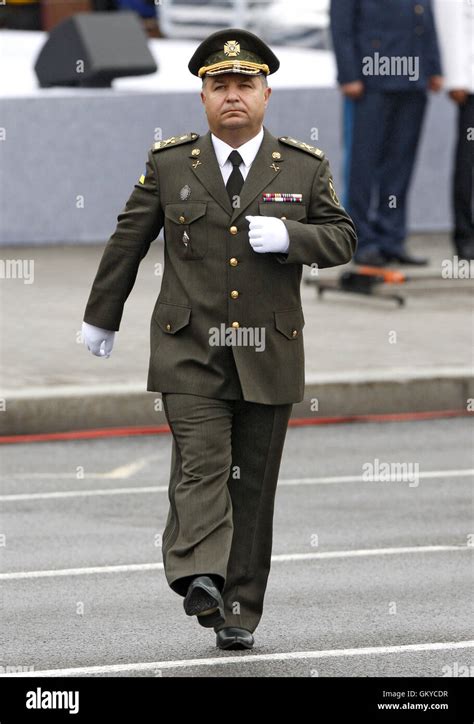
[224, 66]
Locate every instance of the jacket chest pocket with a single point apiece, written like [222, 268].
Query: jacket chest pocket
[293, 211]
[186, 229]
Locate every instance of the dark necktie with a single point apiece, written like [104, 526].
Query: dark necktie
[235, 180]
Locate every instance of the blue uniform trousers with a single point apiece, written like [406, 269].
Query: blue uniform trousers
[382, 130]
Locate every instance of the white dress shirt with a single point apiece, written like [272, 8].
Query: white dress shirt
[455, 26]
[247, 150]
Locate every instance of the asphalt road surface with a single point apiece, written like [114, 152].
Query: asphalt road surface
[370, 576]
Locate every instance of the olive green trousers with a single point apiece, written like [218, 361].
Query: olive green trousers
[225, 462]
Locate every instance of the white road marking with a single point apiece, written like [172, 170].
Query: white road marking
[246, 658]
[127, 470]
[134, 567]
[427, 474]
[55, 476]
[123, 471]
[83, 493]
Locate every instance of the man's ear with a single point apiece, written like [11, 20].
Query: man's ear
[202, 96]
[268, 92]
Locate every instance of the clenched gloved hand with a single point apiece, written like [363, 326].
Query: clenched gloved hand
[268, 234]
[94, 337]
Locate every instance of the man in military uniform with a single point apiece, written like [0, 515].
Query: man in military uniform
[387, 58]
[242, 212]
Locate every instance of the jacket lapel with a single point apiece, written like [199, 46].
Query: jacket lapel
[205, 167]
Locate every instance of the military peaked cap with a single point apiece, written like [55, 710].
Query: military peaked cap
[233, 50]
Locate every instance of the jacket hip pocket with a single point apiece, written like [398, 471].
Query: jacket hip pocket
[171, 317]
[290, 322]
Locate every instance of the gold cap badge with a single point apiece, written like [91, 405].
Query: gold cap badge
[232, 48]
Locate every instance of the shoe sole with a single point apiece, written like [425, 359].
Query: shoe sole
[235, 645]
[205, 606]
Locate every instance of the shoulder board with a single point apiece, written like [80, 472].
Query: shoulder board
[174, 141]
[302, 146]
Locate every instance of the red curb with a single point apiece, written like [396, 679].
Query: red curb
[162, 429]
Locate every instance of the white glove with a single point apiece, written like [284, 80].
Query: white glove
[93, 338]
[268, 234]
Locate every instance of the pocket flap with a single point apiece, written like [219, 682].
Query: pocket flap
[290, 322]
[290, 210]
[185, 213]
[171, 317]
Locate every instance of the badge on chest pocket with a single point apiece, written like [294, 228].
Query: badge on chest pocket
[186, 229]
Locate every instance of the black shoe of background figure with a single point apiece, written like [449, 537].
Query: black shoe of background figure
[403, 257]
[466, 251]
[370, 257]
[204, 600]
[234, 637]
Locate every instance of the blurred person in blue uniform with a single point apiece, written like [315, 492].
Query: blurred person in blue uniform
[455, 21]
[149, 12]
[387, 58]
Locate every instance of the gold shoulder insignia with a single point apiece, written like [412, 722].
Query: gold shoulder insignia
[302, 146]
[174, 141]
[332, 191]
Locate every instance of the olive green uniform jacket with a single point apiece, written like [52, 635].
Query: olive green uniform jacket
[213, 279]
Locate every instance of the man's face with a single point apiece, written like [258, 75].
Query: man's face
[234, 100]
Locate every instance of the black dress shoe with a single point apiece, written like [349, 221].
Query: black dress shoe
[402, 257]
[204, 600]
[370, 257]
[233, 637]
[466, 252]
